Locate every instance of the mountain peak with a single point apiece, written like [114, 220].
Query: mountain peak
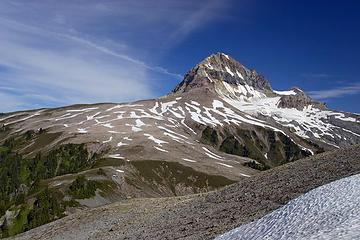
[218, 57]
[220, 72]
[223, 75]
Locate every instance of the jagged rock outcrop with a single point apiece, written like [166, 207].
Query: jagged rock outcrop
[218, 69]
[299, 100]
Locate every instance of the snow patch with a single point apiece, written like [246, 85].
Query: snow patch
[160, 149]
[227, 56]
[82, 130]
[115, 132]
[170, 131]
[195, 103]
[25, 118]
[116, 156]
[229, 71]
[244, 175]
[225, 165]
[188, 160]
[109, 140]
[183, 123]
[211, 154]
[92, 116]
[120, 144]
[327, 212]
[286, 93]
[135, 129]
[107, 125]
[139, 123]
[239, 75]
[155, 140]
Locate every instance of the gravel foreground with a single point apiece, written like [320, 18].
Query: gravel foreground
[208, 215]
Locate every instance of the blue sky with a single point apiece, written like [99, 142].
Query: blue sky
[55, 53]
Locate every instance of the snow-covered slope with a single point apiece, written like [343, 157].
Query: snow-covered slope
[327, 212]
[251, 94]
[309, 122]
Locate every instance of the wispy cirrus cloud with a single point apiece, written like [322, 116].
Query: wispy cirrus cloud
[336, 92]
[63, 52]
[316, 75]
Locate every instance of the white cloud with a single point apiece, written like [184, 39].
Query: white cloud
[9, 102]
[316, 75]
[213, 9]
[68, 70]
[336, 92]
[55, 53]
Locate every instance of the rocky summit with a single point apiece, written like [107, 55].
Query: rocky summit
[219, 70]
[223, 123]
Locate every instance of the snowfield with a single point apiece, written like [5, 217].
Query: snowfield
[327, 212]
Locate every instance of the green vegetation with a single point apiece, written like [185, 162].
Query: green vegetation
[232, 146]
[69, 158]
[280, 148]
[107, 187]
[17, 225]
[21, 190]
[3, 149]
[82, 188]
[275, 154]
[47, 207]
[283, 149]
[15, 171]
[251, 146]
[11, 179]
[210, 136]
